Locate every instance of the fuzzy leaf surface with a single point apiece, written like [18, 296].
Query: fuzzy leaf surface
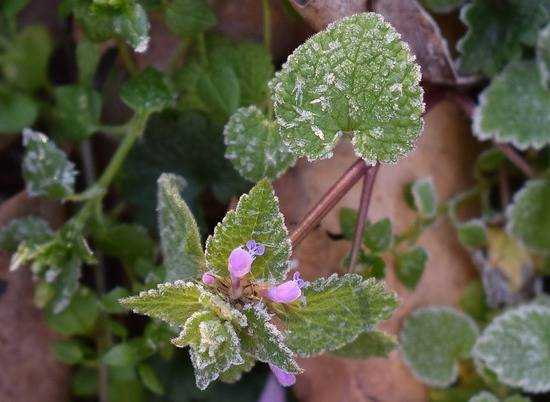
[368, 344]
[149, 91]
[543, 56]
[31, 229]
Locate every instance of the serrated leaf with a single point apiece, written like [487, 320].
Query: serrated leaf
[543, 56]
[334, 312]
[17, 111]
[31, 229]
[265, 342]
[433, 339]
[378, 236]
[180, 238]
[78, 318]
[409, 266]
[257, 217]
[149, 91]
[87, 60]
[529, 125]
[187, 18]
[222, 308]
[442, 6]
[235, 372]
[320, 93]
[529, 215]
[497, 31]
[46, 169]
[254, 145]
[424, 197]
[368, 344]
[150, 379]
[484, 397]
[78, 111]
[516, 346]
[171, 302]
[472, 233]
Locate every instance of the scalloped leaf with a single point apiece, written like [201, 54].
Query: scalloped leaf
[257, 217]
[518, 88]
[265, 342]
[497, 31]
[254, 147]
[334, 311]
[368, 344]
[46, 169]
[543, 56]
[356, 77]
[149, 91]
[179, 234]
[516, 346]
[529, 215]
[433, 339]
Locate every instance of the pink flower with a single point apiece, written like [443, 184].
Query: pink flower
[239, 262]
[284, 378]
[209, 278]
[287, 292]
[272, 392]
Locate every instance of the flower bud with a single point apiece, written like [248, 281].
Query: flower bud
[208, 278]
[284, 378]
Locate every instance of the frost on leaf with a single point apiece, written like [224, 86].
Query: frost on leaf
[30, 229]
[424, 197]
[235, 372]
[214, 346]
[497, 31]
[368, 344]
[46, 169]
[254, 146]
[543, 56]
[265, 342]
[171, 302]
[433, 339]
[334, 311]
[257, 217]
[179, 234]
[516, 346]
[484, 397]
[357, 77]
[529, 215]
[518, 88]
[222, 308]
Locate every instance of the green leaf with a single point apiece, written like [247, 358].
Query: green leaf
[78, 111]
[25, 63]
[442, 6]
[378, 236]
[543, 56]
[516, 346]
[497, 31]
[46, 169]
[334, 311]
[472, 233]
[187, 18]
[127, 242]
[215, 346]
[529, 125]
[110, 300]
[87, 60]
[149, 91]
[257, 217]
[473, 300]
[320, 93]
[265, 342]
[180, 238]
[424, 197]
[254, 147]
[433, 339]
[31, 229]
[368, 344]
[11, 8]
[484, 397]
[529, 215]
[348, 220]
[410, 265]
[78, 318]
[235, 372]
[218, 87]
[17, 111]
[128, 354]
[222, 308]
[373, 266]
[85, 382]
[150, 379]
[69, 351]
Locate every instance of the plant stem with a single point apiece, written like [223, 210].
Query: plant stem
[201, 45]
[517, 160]
[368, 184]
[267, 24]
[126, 58]
[179, 54]
[328, 201]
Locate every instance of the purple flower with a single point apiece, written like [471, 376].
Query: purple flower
[288, 291]
[272, 392]
[239, 262]
[209, 278]
[255, 248]
[284, 378]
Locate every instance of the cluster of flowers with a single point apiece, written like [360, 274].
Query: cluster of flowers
[239, 265]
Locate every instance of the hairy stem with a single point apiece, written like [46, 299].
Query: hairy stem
[368, 184]
[328, 201]
[267, 24]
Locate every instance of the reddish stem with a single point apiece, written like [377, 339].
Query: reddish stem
[516, 159]
[329, 200]
[368, 184]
